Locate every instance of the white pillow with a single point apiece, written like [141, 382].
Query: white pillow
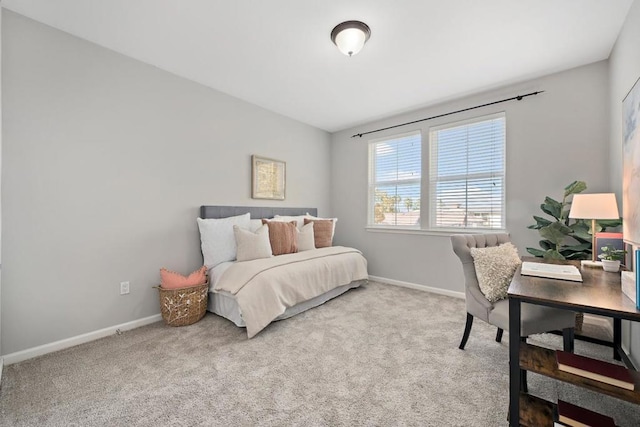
[299, 219]
[252, 245]
[333, 232]
[217, 240]
[495, 266]
[254, 225]
[306, 238]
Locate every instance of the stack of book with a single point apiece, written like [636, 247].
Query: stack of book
[605, 372]
[572, 415]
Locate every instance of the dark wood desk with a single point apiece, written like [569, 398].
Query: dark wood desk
[599, 293]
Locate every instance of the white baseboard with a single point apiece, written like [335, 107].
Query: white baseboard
[40, 350]
[418, 287]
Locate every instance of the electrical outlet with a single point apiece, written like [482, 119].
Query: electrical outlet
[124, 288]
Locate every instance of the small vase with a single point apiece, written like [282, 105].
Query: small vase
[609, 265]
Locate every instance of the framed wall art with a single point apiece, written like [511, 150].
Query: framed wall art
[631, 165]
[268, 178]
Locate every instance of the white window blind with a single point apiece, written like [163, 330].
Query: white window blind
[394, 180]
[466, 174]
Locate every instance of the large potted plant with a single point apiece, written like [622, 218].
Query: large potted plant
[562, 237]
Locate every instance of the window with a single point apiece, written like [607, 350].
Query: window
[394, 180]
[466, 174]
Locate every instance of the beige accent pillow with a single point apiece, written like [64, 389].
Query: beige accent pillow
[252, 245]
[282, 236]
[495, 266]
[322, 231]
[306, 238]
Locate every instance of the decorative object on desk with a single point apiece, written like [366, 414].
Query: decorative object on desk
[610, 239]
[611, 258]
[597, 370]
[563, 238]
[268, 178]
[628, 280]
[594, 206]
[551, 271]
[573, 415]
[631, 165]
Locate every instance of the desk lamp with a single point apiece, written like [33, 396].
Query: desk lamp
[594, 206]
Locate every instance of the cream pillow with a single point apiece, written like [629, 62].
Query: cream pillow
[217, 240]
[306, 238]
[254, 225]
[495, 266]
[252, 245]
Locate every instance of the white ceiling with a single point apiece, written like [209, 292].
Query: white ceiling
[278, 54]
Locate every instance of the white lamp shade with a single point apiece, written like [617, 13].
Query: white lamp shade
[350, 41]
[594, 206]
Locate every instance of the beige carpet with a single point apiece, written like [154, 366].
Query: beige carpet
[376, 356]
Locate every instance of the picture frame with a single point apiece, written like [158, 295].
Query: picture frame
[631, 165]
[268, 178]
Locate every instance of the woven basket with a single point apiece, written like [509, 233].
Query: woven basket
[184, 306]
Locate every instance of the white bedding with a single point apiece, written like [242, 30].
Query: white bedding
[265, 288]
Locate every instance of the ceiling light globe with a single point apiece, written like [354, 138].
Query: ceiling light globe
[350, 36]
[350, 41]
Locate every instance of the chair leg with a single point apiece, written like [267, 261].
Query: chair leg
[467, 330]
[567, 339]
[499, 335]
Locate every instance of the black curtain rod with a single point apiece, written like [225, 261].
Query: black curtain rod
[518, 97]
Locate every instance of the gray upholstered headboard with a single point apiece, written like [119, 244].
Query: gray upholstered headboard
[256, 212]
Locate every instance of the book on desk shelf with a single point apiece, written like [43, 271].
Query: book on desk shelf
[576, 416]
[551, 271]
[598, 370]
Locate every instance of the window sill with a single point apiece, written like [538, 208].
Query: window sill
[427, 232]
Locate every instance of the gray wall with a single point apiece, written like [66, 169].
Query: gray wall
[552, 139]
[624, 70]
[105, 163]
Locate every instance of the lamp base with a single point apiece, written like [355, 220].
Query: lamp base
[587, 263]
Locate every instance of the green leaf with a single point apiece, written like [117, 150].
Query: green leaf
[540, 222]
[551, 207]
[551, 254]
[536, 252]
[545, 244]
[578, 255]
[582, 247]
[609, 223]
[575, 187]
[555, 232]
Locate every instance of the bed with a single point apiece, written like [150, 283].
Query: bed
[254, 293]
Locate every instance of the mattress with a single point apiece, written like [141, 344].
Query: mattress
[225, 305]
[281, 287]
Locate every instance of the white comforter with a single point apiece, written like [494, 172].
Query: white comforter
[265, 288]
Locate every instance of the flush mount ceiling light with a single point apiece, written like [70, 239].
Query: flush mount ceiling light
[350, 36]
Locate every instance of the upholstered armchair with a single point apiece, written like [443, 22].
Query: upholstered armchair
[535, 318]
